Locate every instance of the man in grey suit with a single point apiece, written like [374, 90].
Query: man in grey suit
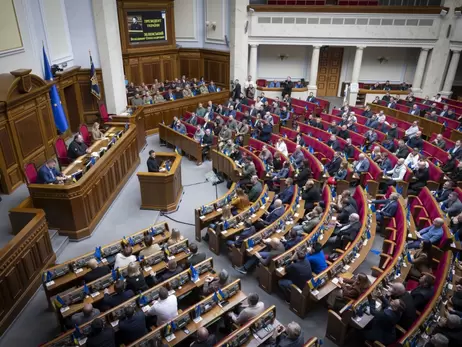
[362, 165]
[250, 311]
[452, 206]
[346, 232]
[195, 257]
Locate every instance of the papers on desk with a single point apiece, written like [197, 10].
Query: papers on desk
[171, 292]
[115, 323]
[315, 292]
[241, 223]
[409, 235]
[64, 309]
[78, 271]
[453, 245]
[450, 286]
[335, 280]
[250, 249]
[171, 257]
[219, 210]
[95, 294]
[253, 216]
[263, 207]
[280, 269]
[95, 154]
[224, 232]
[267, 240]
[202, 217]
[346, 267]
[104, 260]
[170, 337]
[296, 215]
[82, 341]
[147, 268]
[50, 283]
[357, 255]
[278, 231]
[78, 161]
[320, 237]
[365, 242]
[197, 319]
[145, 308]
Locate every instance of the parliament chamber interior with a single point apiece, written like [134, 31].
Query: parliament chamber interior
[230, 173]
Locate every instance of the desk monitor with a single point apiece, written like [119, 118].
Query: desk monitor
[182, 321]
[119, 313]
[157, 230]
[322, 279]
[203, 267]
[222, 202]
[264, 322]
[206, 209]
[66, 341]
[179, 247]
[151, 340]
[207, 305]
[137, 238]
[111, 250]
[348, 258]
[101, 284]
[336, 269]
[183, 278]
[231, 290]
[285, 260]
[270, 230]
[241, 338]
[60, 271]
[151, 295]
[153, 259]
[80, 263]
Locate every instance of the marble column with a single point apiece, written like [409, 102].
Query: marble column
[451, 74]
[355, 75]
[312, 86]
[419, 71]
[110, 54]
[238, 42]
[253, 62]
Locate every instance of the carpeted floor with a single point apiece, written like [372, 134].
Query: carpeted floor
[36, 324]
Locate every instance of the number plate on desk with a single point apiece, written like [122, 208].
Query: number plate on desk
[48, 284]
[78, 271]
[95, 294]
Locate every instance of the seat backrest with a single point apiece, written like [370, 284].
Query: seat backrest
[103, 112]
[60, 148]
[30, 170]
[83, 130]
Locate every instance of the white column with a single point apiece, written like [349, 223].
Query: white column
[419, 71]
[238, 41]
[312, 87]
[451, 75]
[355, 75]
[110, 54]
[253, 62]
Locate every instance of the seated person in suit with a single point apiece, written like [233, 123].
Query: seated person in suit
[348, 149]
[150, 247]
[333, 143]
[165, 309]
[135, 280]
[248, 231]
[101, 335]
[345, 233]
[212, 284]
[77, 147]
[253, 308]
[204, 338]
[48, 173]
[287, 194]
[424, 292]
[304, 174]
[172, 269]
[452, 205]
[120, 295]
[297, 157]
[451, 328]
[361, 165]
[398, 291]
[256, 189]
[279, 175]
[272, 216]
[416, 141]
[349, 289]
[96, 271]
[333, 166]
[297, 273]
[311, 194]
[87, 314]
[195, 257]
[420, 178]
[152, 163]
[389, 208]
[274, 247]
[291, 239]
[312, 219]
[442, 194]
[433, 233]
[133, 327]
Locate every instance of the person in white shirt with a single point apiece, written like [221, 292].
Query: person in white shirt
[165, 309]
[352, 117]
[258, 104]
[124, 258]
[437, 98]
[282, 147]
[412, 159]
[412, 130]
[248, 82]
[381, 118]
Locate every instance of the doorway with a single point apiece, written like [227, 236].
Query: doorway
[72, 108]
[330, 66]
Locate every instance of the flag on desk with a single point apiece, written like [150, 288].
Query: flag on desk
[58, 302]
[94, 80]
[143, 301]
[97, 253]
[56, 106]
[114, 274]
[250, 243]
[218, 296]
[197, 311]
[312, 283]
[85, 289]
[408, 213]
[76, 335]
[47, 277]
[194, 274]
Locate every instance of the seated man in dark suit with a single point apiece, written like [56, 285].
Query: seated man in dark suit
[172, 269]
[77, 147]
[271, 217]
[345, 233]
[195, 257]
[248, 231]
[443, 194]
[333, 166]
[101, 335]
[266, 131]
[121, 295]
[286, 195]
[291, 337]
[398, 291]
[153, 163]
[298, 273]
[96, 271]
[416, 141]
[204, 339]
[390, 206]
[333, 143]
[424, 292]
[421, 176]
[132, 327]
[49, 174]
[311, 194]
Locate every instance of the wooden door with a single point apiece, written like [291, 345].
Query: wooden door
[330, 65]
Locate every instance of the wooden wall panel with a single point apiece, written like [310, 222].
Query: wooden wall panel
[26, 127]
[20, 270]
[88, 101]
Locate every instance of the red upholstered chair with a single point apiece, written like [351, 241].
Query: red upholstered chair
[61, 152]
[83, 130]
[261, 83]
[105, 117]
[30, 171]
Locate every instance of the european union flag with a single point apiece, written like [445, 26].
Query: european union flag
[368, 234]
[56, 106]
[85, 289]
[197, 311]
[59, 302]
[47, 277]
[250, 243]
[97, 253]
[142, 300]
[333, 191]
[94, 80]
[194, 274]
[114, 274]
[203, 210]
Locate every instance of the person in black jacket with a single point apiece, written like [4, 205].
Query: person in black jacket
[333, 143]
[207, 141]
[392, 133]
[443, 194]
[77, 147]
[120, 296]
[287, 86]
[421, 177]
[237, 90]
[96, 271]
[398, 291]
[450, 327]
[456, 175]
[345, 233]
[153, 163]
[311, 194]
[450, 164]
[101, 336]
[402, 151]
[416, 141]
[304, 175]
[132, 327]
[204, 339]
[344, 132]
[297, 273]
[135, 279]
[423, 293]
[383, 325]
[333, 166]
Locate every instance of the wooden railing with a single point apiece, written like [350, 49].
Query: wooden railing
[22, 262]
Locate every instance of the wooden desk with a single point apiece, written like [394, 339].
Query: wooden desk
[225, 165]
[76, 208]
[137, 119]
[162, 190]
[187, 144]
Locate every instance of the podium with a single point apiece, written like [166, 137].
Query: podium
[162, 190]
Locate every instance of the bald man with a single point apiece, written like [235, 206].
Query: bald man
[270, 218]
[87, 314]
[274, 247]
[398, 291]
[433, 233]
[95, 271]
[345, 233]
[204, 339]
[292, 337]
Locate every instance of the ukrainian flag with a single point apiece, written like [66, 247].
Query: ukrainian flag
[58, 302]
[312, 283]
[409, 257]
[167, 252]
[85, 289]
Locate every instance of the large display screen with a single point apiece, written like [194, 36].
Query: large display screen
[146, 27]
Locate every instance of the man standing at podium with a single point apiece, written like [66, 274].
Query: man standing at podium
[153, 163]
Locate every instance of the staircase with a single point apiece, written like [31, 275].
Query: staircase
[58, 242]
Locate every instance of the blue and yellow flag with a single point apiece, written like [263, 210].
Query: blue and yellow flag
[85, 289]
[47, 277]
[312, 283]
[94, 80]
[167, 252]
[197, 311]
[56, 106]
[58, 302]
